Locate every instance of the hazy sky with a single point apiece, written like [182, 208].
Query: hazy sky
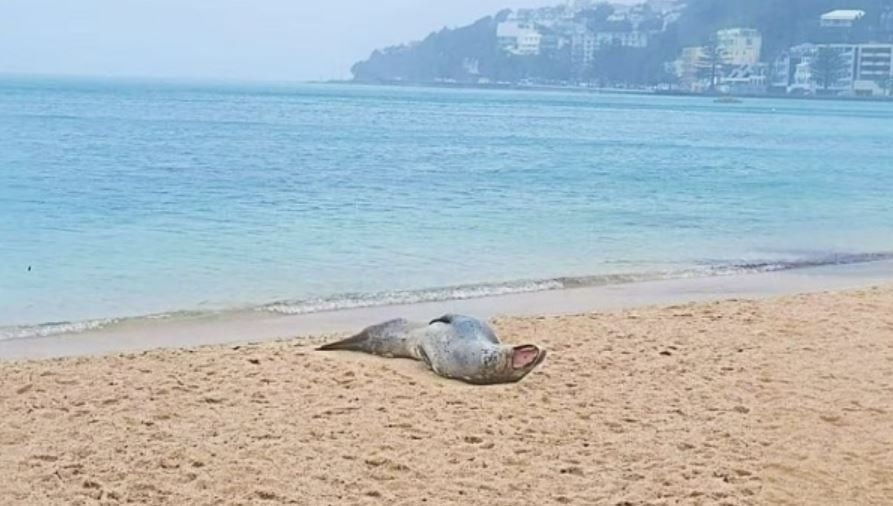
[241, 39]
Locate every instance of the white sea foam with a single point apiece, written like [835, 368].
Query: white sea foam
[52, 329]
[353, 301]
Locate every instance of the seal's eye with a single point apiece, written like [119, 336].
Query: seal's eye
[524, 356]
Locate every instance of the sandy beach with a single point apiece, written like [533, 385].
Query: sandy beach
[785, 400]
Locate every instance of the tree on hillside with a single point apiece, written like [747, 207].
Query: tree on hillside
[885, 83]
[615, 65]
[712, 62]
[618, 65]
[828, 67]
[441, 55]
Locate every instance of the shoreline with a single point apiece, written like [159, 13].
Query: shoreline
[606, 91]
[543, 88]
[445, 294]
[137, 335]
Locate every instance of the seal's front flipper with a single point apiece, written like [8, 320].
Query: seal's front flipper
[447, 318]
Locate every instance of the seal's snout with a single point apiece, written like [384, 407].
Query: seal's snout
[527, 356]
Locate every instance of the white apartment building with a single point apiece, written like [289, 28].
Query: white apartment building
[740, 46]
[583, 47]
[874, 63]
[519, 38]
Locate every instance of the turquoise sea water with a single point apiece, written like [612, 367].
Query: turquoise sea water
[130, 198]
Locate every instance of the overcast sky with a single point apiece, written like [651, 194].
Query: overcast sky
[238, 39]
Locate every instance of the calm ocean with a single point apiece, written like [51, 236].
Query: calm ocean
[128, 199]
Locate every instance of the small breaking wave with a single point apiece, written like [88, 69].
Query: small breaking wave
[78, 327]
[801, 263]
[54, 328]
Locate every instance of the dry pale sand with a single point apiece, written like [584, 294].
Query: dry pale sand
[780, 401]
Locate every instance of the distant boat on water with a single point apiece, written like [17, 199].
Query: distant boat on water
[727, 100]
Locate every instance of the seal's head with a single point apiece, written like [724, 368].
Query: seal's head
[509, 364]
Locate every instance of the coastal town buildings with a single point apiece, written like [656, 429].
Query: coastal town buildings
[738, 63]
[862, 68]
[532, 32]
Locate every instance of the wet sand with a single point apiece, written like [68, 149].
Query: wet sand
[775, 401]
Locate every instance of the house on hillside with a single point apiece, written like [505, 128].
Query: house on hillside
[519, 38]
[843, 27]
[841, 18]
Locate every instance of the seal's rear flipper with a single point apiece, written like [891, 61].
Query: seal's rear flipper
[359, 342]
[389, 339]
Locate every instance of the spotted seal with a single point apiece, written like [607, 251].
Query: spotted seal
[454, 346]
